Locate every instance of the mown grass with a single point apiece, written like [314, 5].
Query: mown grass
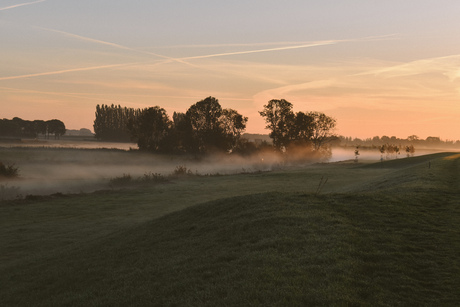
[386, 236]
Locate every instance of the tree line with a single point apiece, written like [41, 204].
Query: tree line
[207, 127]
[21, 128]
[290, 130]
[414, 140]
[203, 128]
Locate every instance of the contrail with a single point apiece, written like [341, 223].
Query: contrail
[113, 45]
[261, 50]
[285, 43]
[18, 5]
[57, 72]
[181, 60]
[64, 95]
[237, 45]
[85, 96]
[312, 44]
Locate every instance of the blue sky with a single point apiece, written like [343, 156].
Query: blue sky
[379, 67]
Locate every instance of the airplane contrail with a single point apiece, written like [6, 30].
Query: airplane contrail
[312, 44]
[113, 45]
[182, 60]
[72, 95]
[260, 50]
[18, 5]
[57, 72]
[286, 43]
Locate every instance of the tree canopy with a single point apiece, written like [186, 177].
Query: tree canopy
[150, 128]
[288, 128]
[280, 121]
[21, 128]
[214, 128]
[207, 127]
[111, 122]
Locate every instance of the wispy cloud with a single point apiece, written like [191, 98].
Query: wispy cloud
[446, 64]
[179, 60]
[307, 45]
[282, 43]
[79, 96]
[260, 50]
[132, 100]
[21, 4]
[57, 72]
[97, 41]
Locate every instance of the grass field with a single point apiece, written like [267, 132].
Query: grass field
[376, 234]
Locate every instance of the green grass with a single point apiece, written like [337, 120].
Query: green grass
[386, 234]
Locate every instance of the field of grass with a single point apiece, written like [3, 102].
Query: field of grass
[376, 234]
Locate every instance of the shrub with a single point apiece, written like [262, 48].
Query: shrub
[127, 181]
[120, 181]
[9, 171]
[182, 170]
[153, 177]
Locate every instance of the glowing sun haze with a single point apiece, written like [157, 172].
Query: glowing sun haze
[379, 67]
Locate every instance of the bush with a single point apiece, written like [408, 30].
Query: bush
[127, 181]
[120, 181]
[9, 171]
[182, 170]
[153, 177]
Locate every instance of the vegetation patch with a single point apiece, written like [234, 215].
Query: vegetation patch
[182, 170]
[127, 180]
[8, 171]
[267, 249]
[391, 242]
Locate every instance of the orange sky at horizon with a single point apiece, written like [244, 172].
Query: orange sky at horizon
[377, 68]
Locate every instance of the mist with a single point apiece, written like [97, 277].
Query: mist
[78, 167]
[44, 171]
[367, 154]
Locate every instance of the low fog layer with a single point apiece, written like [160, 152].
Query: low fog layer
[71, 170]
[64, 170]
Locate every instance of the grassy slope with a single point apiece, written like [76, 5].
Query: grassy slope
[394, 242]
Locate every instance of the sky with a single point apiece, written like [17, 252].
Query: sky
[378, 67]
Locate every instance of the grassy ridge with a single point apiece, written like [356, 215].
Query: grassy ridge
[394, 242]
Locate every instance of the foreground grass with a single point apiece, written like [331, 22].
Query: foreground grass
[391, 236]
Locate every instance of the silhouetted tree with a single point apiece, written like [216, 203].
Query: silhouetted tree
[233, 125]
[323, 127]
[180, 139]
[10, 128]
[410, 150]
[382, 150]
[18, 127]
[311, 128]
[204, 119]
[111, 122]
[356, 153]
[151, 128]
[303, 128]
[280, 121]
[385, 139]
[55, 127]
[211, 128]
[433, 140]
[40, 127]
[413, 138]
